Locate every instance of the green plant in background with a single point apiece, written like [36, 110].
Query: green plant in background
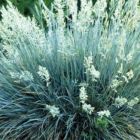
[74, 81]
[28, 7]
[102, 123]
[25, 6]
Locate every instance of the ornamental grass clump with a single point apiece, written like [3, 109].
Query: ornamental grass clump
[74, 80]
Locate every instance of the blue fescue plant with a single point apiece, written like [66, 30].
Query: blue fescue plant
[74, 80]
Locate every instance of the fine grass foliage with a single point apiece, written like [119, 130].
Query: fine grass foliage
[74, 80]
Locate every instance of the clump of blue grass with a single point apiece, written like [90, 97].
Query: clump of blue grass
[74, 80]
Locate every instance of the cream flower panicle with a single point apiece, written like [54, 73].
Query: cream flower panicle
[14, 75]
[23, 75]
[72, 5]
[133, 102]
[83, 98]
[83, 95]
[53, 110]
[90, 68]
[26, 76]
[88, 108]
[44, 74]
[115, 83]
[120, 101]
[104, 113]
[100, 7]
[130, 74]
[88, 61]
[94, 72]
[60, 12]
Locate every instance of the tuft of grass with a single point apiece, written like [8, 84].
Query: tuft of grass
[75, 80]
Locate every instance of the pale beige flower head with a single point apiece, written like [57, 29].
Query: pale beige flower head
[133, 102]
[130, 74]
[83, 95]
[43, 73]
[103, 113]
[53, 110]
[88, 108]
[120, 101]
